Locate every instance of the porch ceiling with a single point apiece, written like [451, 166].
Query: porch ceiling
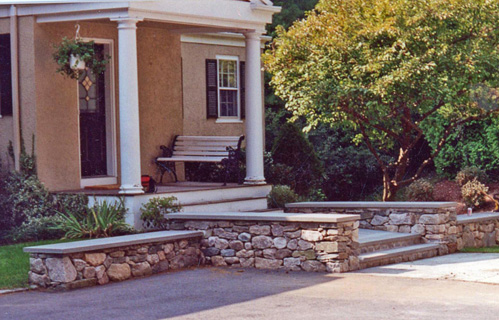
[180, 16]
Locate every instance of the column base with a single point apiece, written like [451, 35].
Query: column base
[131, 189]
[255, 180]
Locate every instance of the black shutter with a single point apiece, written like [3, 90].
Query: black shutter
[211, 89]
[242, 88]
[5, 76]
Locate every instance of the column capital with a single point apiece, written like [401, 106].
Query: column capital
[127, 22]
[253, 35]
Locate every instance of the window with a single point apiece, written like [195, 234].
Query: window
[225, 88]
[5, 76]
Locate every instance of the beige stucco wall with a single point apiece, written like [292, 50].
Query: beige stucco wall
[160, 93]
[56, 117]
[194, 80]
[6, 133]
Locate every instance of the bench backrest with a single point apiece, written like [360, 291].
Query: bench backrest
[205, 146]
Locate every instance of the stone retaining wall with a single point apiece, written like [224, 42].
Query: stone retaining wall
[76, 270]
[477, 234]
[435, 223]
[331, 247]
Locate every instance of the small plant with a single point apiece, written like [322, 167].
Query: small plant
[154, 211]
[100, 221]
[280, 195]
[83, 51]
[420, 190]
[474, 193]
[468, 174]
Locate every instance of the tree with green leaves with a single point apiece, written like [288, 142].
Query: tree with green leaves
[393, 70]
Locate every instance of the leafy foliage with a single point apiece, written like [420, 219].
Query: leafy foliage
[85, 51]
[153, 212]
[27, 208]
[393, 70]
[280, 195]
[475, 144]
[468, 174]
[100, 221]
[420, 190]
[294, 162]
[474, 193]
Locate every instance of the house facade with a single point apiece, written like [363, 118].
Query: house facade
[107, 129]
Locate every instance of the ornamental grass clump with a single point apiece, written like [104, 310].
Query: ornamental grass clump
[99, 221]
[420, 190]
[474, 193]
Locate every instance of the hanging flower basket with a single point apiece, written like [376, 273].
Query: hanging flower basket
[74, 55]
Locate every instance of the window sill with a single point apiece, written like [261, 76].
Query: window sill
[221, 120]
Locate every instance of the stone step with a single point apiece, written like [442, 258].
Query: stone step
[398, 255]
[251, 204]
[374, 240]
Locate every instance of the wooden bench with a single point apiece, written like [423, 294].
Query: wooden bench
[215, 149]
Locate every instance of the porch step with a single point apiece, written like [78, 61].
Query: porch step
[232, 205]
[398, 255]
[373, 240]
[267, 210]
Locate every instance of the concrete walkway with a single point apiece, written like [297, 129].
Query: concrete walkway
[218, 293]
[473, 267]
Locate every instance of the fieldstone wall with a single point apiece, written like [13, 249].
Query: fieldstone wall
[78, 270]
[331, 247]
[477, 234]
[434, 224]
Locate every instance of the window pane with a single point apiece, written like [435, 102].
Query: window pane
[228, 103]
[227, 73]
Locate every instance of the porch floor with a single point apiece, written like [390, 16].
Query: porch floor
[184, 186]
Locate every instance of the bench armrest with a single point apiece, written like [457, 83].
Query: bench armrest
[166, 152]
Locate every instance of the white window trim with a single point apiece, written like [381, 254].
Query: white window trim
[112, 161]
[222, 119]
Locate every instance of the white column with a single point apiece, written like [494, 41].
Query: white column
[254, 111]
[129, 107]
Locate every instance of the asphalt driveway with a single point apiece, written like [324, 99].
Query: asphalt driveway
[217, 293]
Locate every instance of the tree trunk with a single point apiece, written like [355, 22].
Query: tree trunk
[389, 189]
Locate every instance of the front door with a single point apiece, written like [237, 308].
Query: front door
[93, 140]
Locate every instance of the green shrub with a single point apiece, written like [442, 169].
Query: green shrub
[474, 193]
[473, 144]
[420, 190]
[468, 174]
[100, 221]
[27, 208]
[153, 212]
[294, 161]
[280, 195]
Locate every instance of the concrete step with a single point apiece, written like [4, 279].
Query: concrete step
[267, 210]
[398, 255]
[229, 193]
[251, 204]
[374, 240]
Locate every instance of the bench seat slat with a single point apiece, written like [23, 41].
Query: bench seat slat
[207, 138]
[200, 148]
[191, 159]
[200, 153]
[205, 144]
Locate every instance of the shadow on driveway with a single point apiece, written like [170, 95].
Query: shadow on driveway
[158, 297]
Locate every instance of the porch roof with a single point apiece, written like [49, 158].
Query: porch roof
[181, 16]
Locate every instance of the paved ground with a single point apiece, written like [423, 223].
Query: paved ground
[474, 267]
[213, 293]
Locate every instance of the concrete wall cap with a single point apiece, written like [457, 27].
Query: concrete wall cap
[373, 204]
[477, 217]
[266, 216]
[113, 242]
